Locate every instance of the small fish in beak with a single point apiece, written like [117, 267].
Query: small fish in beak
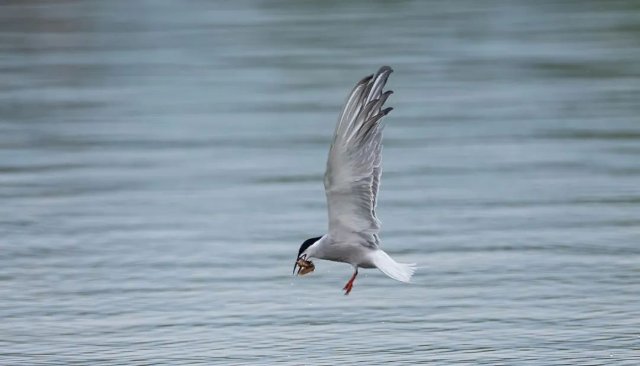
[304, 267]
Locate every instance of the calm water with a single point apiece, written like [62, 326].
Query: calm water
[161, 162]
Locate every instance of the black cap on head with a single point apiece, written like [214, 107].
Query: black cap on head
[307, 243]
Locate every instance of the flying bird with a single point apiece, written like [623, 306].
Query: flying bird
[351, 182]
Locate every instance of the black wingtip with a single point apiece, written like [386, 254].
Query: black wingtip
[385, 68]
[365, 79]
[386, 111]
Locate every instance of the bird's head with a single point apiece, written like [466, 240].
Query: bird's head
[305, 252]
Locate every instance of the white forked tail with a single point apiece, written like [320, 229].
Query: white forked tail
[398, 271]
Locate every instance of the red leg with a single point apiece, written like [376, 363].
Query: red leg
[347, 288]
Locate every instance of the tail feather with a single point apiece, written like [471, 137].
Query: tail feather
[398, 271]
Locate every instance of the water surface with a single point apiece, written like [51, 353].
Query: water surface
[161, 162]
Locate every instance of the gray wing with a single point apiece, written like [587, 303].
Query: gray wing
[354, 165]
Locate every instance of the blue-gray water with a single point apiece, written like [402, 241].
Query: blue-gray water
[161, 162]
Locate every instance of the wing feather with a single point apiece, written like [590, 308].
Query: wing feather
[354, 168]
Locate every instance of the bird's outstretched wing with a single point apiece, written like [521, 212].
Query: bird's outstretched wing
[354, 165]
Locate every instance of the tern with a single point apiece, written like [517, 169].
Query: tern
[351, 183]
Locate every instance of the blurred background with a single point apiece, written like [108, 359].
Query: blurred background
[162, 161]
